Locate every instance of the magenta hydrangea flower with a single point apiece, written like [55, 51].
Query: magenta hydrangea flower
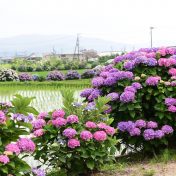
[73, 143]
[26, 145]
[69, 133]
[72, 119]
[153, 80]
[152, 124]
[2, 117]
[140, 123]
[127, 97]
[172, 108]
[113, 96]
[110, 130]
[59, 122]
[38, 132]
[4, 159]
[159, 134]
[58, 113]
[100, 136]
[167, 129]
[149, 134]
[135, 132]
[39, 123]
[90, 124]
[172, 71]
[13, 148]
[42, 115]
[86, 135]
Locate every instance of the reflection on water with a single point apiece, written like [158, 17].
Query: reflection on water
[45, 100]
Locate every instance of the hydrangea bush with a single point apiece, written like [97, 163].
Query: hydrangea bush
[72, 74]
[88, 74]
[75, 144]
[141, 85]
[8, 75]
[14, 125]
[55, 76]
[25, 77]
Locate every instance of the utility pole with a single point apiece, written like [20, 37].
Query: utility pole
[151, 36]
[77, 47]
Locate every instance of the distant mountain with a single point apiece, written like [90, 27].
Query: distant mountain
[27, 44]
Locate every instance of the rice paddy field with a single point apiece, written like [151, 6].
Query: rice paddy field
[47, 94]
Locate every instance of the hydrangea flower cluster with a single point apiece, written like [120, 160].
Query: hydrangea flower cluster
[88, 74]
[72, 74]
[171, 104]
[22, 117]
[25, 77]
[148, 129]
[38, 171]
[55, 76]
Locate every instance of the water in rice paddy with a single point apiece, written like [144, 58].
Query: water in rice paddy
[46, 98]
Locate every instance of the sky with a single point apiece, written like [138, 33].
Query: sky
[126, 21]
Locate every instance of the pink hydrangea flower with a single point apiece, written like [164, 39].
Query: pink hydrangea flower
[38, 132]
[110, 130]
[172, 108]
[102, 125]
[58, 113]
[39, 123]
[26, 145]
[100, 136]
[69, 133]
[13, 148]
[73, 143]
[42, 115]
[2, 117]
[86, 135]
[72, 119]
[90, 124]
[59, 122]
[172, 71]
[4, 159]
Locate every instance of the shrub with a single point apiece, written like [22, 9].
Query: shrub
[29, 69]
[25, 77]
[145, 83]
[41, 78]
[55, 76]
[88, 74]
[39, 68]
[75, 145]
[21, 68]
[13, 146]
[35, 77]
[8, 75]
[72, 74]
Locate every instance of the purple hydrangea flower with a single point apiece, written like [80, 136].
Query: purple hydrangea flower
[129, 65]
[153, 80]
[125, 126]
[152, 124]
[127, 97]
[170, 101]
[149, 134]
[72, 74]
[55, 76]
[25, 77]
[130, 89]
[140, 123]
[110, 81]
[151, 62]
[38, 172]
[135, 132]
[69, 133]
[97, 82]
[113, 96]
[94, 94]
[159, 134]
[137, 85]
[86, 92]
[167, 129]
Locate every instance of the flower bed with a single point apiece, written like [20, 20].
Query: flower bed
[141, 86]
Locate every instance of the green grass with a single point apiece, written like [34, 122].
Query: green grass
[81, 83]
